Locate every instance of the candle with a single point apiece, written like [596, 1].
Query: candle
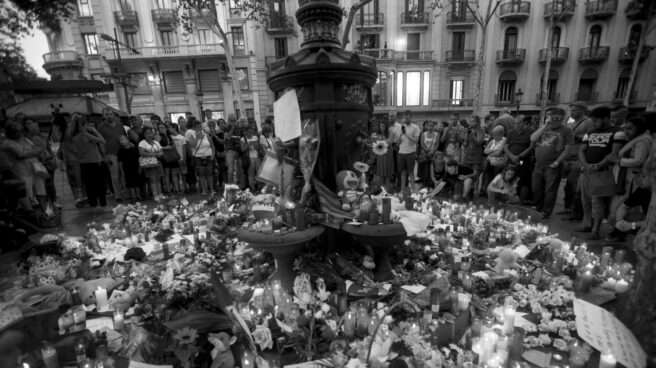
[101, 299]
[267, 226]
[621, 286]
[118, 320]
[586, 282]
[79, 314]
[467, 281]
[502, 344]
[607, 360]
[387, 210]
[349, 324]
[606, 255]
[247, 360]
[373, 323]
[463, 301]
[300, 219]
[509, 320]
[362, 320]
[49, 354]
[277, 289]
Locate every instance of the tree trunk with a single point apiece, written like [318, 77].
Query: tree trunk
[236, 89]
[544, 93]
[637, 308]
[636, 61]
[349, 21]
[481, 69]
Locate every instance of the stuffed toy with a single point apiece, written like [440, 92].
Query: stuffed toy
[506, 260]
[222, 356]
[368, 263]
[347, 184]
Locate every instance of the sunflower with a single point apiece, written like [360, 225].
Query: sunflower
[380, 147]
[361, 167]
[186, 335]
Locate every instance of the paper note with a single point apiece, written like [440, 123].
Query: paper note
[414, 288]
[287, 116]
[537, 357]
[134, 364]
[522, 251]
[99, 324]
[603, 331]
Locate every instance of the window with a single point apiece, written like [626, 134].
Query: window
[203, 36]
[235, 6]
[506, 91]
[634, 35]
[510, 42]
[458, 46]
[277, 6]
[595, 37]
[369, 14]
[414, 6]
[281, 47]
[412, 46]
[125, 5]
[91, 44]
[413, 89]
[379, 91]
[130, 39]
[399, 89]
[457, 92]
[555, 37]
[84, 8]
[168, 38]
[139, 84]
[370, 41]
[238, 42]
[587, 84]
[622, 84]
[552, 83]
[242, 76]
[209, 80]
[173, 82]
[458, 9]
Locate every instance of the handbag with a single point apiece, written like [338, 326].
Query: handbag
[170, 155]
[498, 161]
[148, 162]
[39, 169]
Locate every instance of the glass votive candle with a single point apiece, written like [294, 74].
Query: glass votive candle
[119, 321]
[79, 314]
[463, 301]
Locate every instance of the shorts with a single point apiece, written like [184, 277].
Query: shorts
[73, 174]
[204, 165]
[153, 173]
[406, 161]
[640, 197]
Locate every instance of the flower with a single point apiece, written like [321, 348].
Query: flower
[380, 147]
[262, 336]
[186, 335]
[361, 167]
[560, 344]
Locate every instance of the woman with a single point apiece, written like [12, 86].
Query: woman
[47, 158]
[473, 148]
[149, 147]
[437, 168]
[267, 139]
[428, 144]
[452, 140]
[180, 144]
[253, 155]
[385, 162]
[21, 154]
[182, 124]
[169, 167]
[88, 142]
[496, 157]
[202, 152]
[503, 188]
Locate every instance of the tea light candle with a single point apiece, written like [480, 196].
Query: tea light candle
[509, 320]
[119, 322]
[101, 299]
[607, 360]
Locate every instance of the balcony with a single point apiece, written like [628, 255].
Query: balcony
[460, 20]
[552, 100]
[279, 24]
[370, 22]
[165, 19]
[128, 20]
[561, 9]
[393, 55]
[590, 96]
[169, 51]
[504, 100]
[61, 60]
[619, 97]
[559, 55]
[466, 104]
[600, 9]
[593, 55]
[511, 57]
[515, 11]
[628, 54]
[464, 56]
[414, 20]
[636, 10]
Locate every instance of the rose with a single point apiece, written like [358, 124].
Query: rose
[262, 336]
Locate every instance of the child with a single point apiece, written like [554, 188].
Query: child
[503, 188]
[128, 156]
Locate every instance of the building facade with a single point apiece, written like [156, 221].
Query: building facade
[426, 55]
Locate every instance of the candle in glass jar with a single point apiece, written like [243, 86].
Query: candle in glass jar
[300, 219]
[101, 299]
[373, 323]
[49, 354]
[79, 314]
[607, 360]
[362, 320]
[621, 286]
[387, 210]
[463, 301]
[509, 320]
[349, 324]
[467, 281]
[119, 322]
[247, 360]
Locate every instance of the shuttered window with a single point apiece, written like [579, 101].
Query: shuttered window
[173, 82]
[209, 80]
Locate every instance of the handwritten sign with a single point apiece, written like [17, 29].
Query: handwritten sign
[134, 364]
[99, 324]
[603, 331]
[287, 116]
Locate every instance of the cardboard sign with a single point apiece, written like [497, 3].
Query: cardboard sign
[287, 116]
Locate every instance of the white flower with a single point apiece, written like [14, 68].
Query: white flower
[380, 147]
[186, 335]
[545, 339]
[262, 336]
[361, 167]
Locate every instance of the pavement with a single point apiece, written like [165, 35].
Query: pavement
[75, 220]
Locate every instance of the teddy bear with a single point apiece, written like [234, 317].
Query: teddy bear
[222, 356]
[507, 259]
[347, 184]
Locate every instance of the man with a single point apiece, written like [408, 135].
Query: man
[458, 180]
[618, 116]
[407, 139]
[579, 123]
[597, 182]
[218, 139]
[111, 131]
[553, 142]
[208, 118]
[233, 137]
[518, 148]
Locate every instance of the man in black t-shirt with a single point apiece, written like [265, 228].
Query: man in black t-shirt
[602, 142]
[457, 179]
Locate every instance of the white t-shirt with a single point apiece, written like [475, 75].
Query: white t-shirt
[201, 147]
[407, 146]
[179, 142]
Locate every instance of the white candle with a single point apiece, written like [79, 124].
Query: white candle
[101, 299]
[509, 320]
[607, 360]
[119, 322]
[621, 286]
[50, 357]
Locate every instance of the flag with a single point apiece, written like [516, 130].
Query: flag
[329, 202]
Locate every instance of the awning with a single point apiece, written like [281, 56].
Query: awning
[40, 109]
[57, 87]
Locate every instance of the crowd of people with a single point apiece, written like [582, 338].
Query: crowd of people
[515, 159]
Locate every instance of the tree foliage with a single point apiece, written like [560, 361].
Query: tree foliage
[13, 63]
[20, 17]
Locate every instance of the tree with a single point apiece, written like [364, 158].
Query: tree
[14, 65]
[483, 21]
[20, 17]
[649, 7]
[349, 20]
[254, 10]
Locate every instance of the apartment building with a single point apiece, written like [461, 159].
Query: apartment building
[426, 56]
